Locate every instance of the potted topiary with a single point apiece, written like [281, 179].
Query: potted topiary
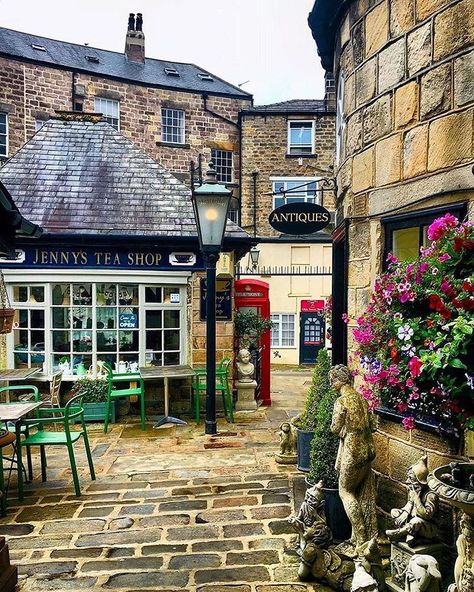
[95, 397]
[324, 447]
[305, 424]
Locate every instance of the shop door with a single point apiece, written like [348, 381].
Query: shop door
[312, 328]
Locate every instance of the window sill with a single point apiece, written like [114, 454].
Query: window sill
[173, 145]
[426, 425]
[302, 155]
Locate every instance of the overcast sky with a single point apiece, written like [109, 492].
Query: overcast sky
[265, 42]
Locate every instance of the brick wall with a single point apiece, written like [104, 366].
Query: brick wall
[30, 92]
[264, 148]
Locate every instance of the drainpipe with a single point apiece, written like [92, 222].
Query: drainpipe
[254, 178]
[218, 115]
[73, 89]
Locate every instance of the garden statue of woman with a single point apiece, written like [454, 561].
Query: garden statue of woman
[354, 425]
[245, 368]
[417, 519]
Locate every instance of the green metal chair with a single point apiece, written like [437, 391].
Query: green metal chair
[116, 390]
[44, 436]
[222, 386]
[6, 439]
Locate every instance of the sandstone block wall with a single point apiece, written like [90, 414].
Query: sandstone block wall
[264, 149]
[29, 92]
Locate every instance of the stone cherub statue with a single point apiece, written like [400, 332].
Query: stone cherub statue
[245, 368]
[354, 425]
[416, 521]
[423, 574]
[287, 454]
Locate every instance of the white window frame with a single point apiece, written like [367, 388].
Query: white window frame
[296, 146]
[6, 136]
[181, 129]
[340, 119]
[17, 278]
[279, 328]
[219, 167]
[100, 102]
[299, 181]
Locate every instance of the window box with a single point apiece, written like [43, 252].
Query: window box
[426, 424]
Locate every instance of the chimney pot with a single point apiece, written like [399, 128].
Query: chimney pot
[139, 25]
[135, 39]
[131, 22]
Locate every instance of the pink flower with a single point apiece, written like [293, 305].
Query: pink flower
[445, 286]
[415, 365]
[402, 407]
[434, 271]
[391, 258]
[438, 228]
[410, 383]
[423, 267]
[444, 257]
[408, 423]
[345, 318]
[415, 395]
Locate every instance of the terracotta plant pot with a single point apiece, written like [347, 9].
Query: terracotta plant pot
[6, 319]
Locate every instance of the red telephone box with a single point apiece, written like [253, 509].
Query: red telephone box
[253, 295]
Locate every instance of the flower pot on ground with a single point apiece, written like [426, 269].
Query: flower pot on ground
[306, 422]
[95, 397]
[323, 453]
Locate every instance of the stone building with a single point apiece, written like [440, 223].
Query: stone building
[173, 111]
[404, 155]
[286, 149]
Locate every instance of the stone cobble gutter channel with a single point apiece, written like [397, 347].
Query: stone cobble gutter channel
[171, 509]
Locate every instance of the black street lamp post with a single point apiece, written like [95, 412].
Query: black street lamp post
[211, 202]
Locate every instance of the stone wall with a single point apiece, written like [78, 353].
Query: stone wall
[264, 149]
[29, 92]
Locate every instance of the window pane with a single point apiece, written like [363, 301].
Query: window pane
[61, 341]
[81, 341]
[171, 340]
[127, 295]
[61, 294]
[171, 359]
[406, 245]
[106, 318]
[106, 294]
[171, 318]
[106, 341]
[20, 293]
[152, 294]
[81, 294]
[154, 340]
[154, 319]
[37, 319]
[128, 340]
[171, 295]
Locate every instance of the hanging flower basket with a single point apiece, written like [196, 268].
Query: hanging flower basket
[7, 314]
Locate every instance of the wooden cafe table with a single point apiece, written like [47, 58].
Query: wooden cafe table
[167, 373]
[17, 374]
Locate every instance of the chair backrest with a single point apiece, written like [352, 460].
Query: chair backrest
[55, 388]
[224, 365]
[108, 368]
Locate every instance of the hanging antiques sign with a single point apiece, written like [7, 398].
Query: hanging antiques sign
[299, 218]
[223, 300]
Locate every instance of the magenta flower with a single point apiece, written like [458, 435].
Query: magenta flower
[438, 228]
[415, 365]
[408, 423]
[444, 257]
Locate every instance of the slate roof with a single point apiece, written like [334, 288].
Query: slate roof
[85, 178]
[113, 64]
[292, 106]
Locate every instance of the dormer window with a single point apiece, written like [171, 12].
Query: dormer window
[206, 77]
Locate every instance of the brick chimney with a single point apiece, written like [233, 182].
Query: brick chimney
[135, 39]
[330, 91]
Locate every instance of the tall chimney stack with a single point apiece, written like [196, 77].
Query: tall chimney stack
[135, 39]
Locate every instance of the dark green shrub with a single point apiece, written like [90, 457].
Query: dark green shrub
[324, 444]
[249, 326]
[317, 390]
[93, 389]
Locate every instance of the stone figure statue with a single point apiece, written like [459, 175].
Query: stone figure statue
[362, 581]
[464, 566]
[416, 521]
[310, 515]
[245, 368]
[423, 574]
[287, 454]
[354, 425]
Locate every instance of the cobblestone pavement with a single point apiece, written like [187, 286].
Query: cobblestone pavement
[170, 509]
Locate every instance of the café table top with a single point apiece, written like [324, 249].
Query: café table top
[181, 371]
[15, 411]
[17, 373]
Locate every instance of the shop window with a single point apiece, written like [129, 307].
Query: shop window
[286, 190]
[110, 110]
[3, 134]
[91, 322]
[172, 126]
[406, 234]
[301, 137]
[283, 330]
[222, 160]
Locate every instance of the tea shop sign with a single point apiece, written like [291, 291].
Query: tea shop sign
[299, 218]
[115, 258]
[223, 300]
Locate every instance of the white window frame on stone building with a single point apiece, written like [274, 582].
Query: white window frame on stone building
[300, 147]
[172, 126]
[283, 332]
[224, 162]
[295, 189]
[340, 119]
[110, 109]
[3, 134]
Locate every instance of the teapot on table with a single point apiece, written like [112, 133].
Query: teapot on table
[121, 367]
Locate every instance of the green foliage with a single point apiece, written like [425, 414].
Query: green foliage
[317, 390]
[93, 389]
[324, 444]
[249, 325]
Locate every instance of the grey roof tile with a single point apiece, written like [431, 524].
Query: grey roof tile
[111, 187]
[292, 106]
[113, 64]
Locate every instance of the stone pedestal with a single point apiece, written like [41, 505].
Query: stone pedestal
[246, 396]
[400, 555]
